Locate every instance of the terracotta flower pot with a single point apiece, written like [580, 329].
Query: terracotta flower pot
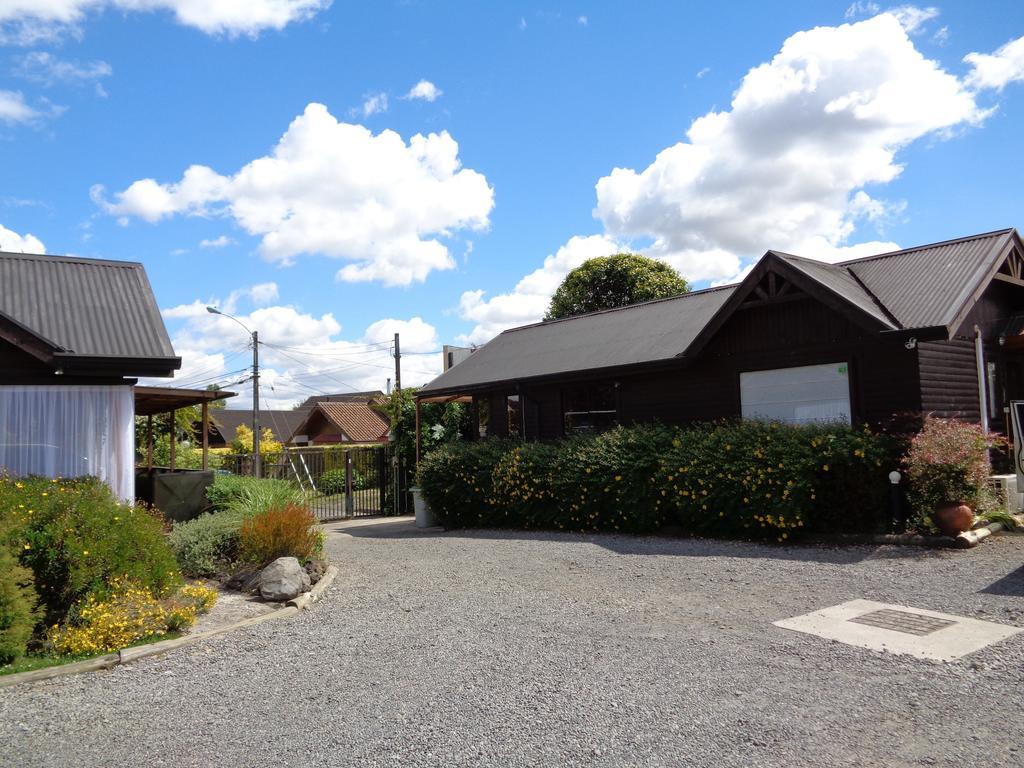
[954, 517]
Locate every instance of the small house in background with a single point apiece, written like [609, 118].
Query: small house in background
[937, 328]
[333, 422]
[74, 336]
[227, 421]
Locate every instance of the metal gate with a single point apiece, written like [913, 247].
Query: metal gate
[340, 482]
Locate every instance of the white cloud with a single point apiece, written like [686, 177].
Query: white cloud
[415, 335]
[218, 242]
[13, 108]
[997, 70]
[300, 354]
[702, 72]
[862, 8]
[424, 90]
[377, 102]
[48, 70]
[912, 17]
[12, 242]
[27, 22]
[582, 21]
[529, 300]
[787, 165]
[338, 190]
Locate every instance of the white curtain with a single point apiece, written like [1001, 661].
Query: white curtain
[70, 431]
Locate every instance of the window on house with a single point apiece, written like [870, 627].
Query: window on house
[799, 395]
[483, 415]
[515, 415]
[589, 408]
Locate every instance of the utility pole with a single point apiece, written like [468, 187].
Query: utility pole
[255, 336]
[399, 507]
[256, 404]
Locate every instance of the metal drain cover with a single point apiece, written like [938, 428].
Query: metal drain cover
[902, 621]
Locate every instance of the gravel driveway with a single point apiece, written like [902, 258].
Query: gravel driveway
[513, 649]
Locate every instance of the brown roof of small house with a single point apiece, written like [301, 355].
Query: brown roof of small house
[359, 422]
[929, 286]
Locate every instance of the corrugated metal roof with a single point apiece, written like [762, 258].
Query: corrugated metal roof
[84, 306]
[926, 286]
[838, 280]
[920, 287]
[641, 333]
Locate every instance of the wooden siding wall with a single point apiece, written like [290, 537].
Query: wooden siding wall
[949, 379]
[883, 373]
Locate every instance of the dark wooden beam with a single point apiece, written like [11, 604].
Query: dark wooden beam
[1009, 279]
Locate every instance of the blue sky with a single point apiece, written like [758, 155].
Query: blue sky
[872, 131]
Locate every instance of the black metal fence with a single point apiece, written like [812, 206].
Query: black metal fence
[341, 482]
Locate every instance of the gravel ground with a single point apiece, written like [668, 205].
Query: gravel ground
[514, 649]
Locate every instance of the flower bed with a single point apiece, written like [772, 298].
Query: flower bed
[254, 523]
[70, 553]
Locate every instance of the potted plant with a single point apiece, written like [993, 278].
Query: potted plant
[948, 468]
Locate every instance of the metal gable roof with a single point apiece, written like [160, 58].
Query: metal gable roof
[923, 287]
[926, 286]
[839, 280]
[84, 306]
[640, 333]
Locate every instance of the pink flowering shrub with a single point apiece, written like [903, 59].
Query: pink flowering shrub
[948, 461]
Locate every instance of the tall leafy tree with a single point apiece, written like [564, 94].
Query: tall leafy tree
[607, 282]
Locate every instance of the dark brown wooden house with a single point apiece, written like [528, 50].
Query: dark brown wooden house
[938, 328]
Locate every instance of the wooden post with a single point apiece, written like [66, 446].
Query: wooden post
[206, 436]
[173, 443]
[149, 441]
[417, 431]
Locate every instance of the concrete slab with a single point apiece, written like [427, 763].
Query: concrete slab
[900, 629]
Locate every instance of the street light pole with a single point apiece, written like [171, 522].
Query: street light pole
[256, 465]
[254, 335]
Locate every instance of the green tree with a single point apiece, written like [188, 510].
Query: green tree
[607, 282]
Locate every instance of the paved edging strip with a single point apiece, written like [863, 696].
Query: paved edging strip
[59, 670]
[127, 655]
[973, 538]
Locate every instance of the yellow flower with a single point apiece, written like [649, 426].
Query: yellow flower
[28, 546]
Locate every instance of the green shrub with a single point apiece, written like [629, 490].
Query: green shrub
[457, 480]
[18, 610]
[743, 479]
[77, 537]
[288, 531]
[207, 545]
[331, 482]
[948, 461]
[249, 495]
[211, 543]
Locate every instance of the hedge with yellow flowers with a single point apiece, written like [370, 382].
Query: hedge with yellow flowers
[743, 479]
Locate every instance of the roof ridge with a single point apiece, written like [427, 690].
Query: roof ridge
[69, 259]
[688, 294]
[924, 247]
